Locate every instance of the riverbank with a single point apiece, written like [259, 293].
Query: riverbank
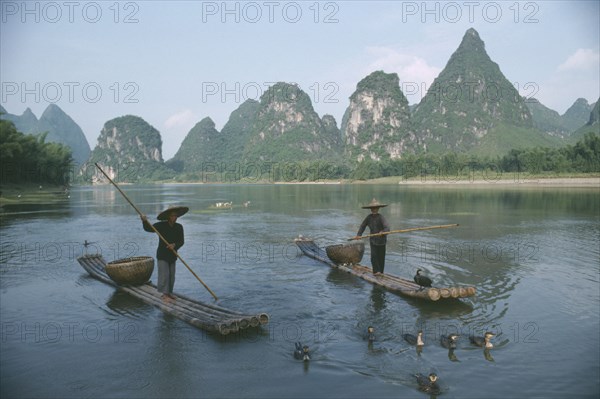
[505, 181]
[590, 182]
[32, 193]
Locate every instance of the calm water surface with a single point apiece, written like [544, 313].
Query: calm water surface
[533, 255]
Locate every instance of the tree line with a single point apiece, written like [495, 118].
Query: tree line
[583, 157]
[26, 158]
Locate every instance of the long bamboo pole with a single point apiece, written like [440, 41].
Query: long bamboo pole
[443, 226]
[156, 231]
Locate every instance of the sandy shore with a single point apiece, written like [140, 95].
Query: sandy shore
[590, 182]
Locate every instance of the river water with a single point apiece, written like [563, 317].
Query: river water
[532, 253]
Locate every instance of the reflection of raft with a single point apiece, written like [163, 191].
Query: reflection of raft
[391, 282]
[199, 314]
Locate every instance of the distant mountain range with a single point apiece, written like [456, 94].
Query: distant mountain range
[59, 126]
[470, 108]
[552, 123]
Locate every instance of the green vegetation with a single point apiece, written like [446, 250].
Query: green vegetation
[377, 119]
[287, 128]
[468, 100]
[583, 157]
[59, 126]
[26, 158]
[129, 150]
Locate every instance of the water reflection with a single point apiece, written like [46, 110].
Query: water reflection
[13, 213]
[452, 356]
[487, 354]
[378, 298]
[127, 305]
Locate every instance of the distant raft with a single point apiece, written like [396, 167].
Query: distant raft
[392, 283]
[208, 317]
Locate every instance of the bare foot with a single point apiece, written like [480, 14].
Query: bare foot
[166, 298]
[172, 296]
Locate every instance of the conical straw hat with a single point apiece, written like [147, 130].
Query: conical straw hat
[374, 204]
[179, 210]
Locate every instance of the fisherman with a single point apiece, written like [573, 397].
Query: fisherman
[377, 224]
[166, 256]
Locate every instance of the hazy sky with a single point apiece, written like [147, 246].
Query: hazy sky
[174, 63]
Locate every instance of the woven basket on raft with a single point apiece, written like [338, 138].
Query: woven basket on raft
[131, 271]
[346, 253]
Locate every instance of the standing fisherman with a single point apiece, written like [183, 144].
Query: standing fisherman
[165, 254]
[377, 224]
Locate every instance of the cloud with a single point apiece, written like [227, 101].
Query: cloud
[409, 68]
[414, 72]
[180, 119]
[582, 59]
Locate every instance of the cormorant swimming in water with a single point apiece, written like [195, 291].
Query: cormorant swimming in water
[411, 339]
[428, 384]
[370, 336]
[301, 352]
[483, 341]
[423, 281]
[449, 341]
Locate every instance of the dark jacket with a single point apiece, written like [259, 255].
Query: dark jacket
[377, 224]
[173, 234]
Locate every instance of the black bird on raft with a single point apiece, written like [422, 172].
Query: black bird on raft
[414, 340]
[428, 384]
[423, 281]
[301, 352]
[449, 341]
[483, 341]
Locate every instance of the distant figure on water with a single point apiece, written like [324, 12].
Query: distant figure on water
[377, 224]
[165, 255]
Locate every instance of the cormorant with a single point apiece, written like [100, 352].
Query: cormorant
[411, 339]
[301, 352]
[449, 341]
[483, 341]
[423, 281]
[370, 336]
[428, 384]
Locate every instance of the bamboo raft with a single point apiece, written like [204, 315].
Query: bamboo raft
[208, 317]
[392, 283]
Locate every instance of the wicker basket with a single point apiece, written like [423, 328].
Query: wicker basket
[346, 253]
[131, 271]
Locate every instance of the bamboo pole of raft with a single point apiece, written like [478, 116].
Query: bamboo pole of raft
[443, 226]
[156, 231]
